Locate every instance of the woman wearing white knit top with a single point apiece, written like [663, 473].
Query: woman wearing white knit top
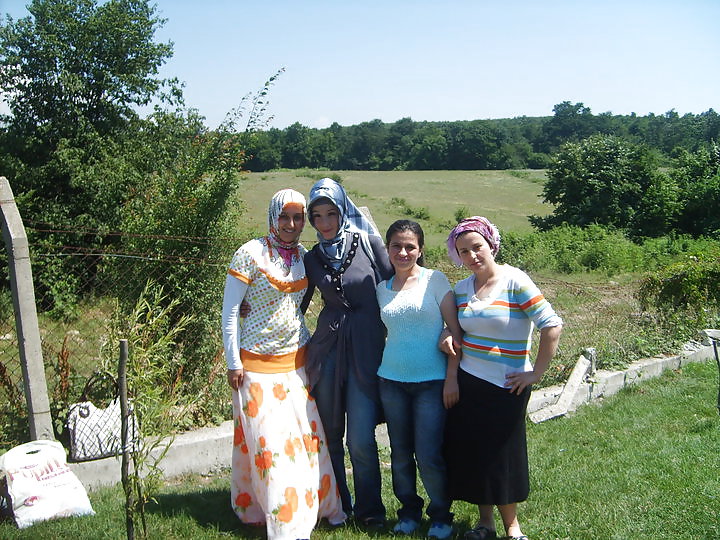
[414, 387]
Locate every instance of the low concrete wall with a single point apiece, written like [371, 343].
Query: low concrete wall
[197, 451]
[558, 400]
[208, 449]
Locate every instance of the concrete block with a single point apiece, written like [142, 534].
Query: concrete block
[200, 450]
[672, 362]
[567, 395]
[652, 367]
[607, 383]
[632, 375]
[700, 355]
[708, 335]
[544, 397]
[581, 397]
[97, 473]
[547, 413]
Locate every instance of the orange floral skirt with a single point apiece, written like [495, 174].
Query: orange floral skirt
[281, 471]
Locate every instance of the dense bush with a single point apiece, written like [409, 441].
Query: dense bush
[73, 101]
[697, 176]
[691, 283]
[569, 249]
[610, 181]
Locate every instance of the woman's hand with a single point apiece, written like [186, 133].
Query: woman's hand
[451, 392]
[448, 345]
[235, 377]
[549, 337]
[518, 381]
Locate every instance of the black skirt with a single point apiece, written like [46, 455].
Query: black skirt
[485, 444]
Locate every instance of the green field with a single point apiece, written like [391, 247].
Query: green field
[507, 198]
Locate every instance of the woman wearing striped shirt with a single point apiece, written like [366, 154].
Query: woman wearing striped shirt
[485, 443]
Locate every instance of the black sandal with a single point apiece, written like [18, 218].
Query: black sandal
[481, 532]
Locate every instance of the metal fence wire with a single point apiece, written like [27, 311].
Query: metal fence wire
[87, 287]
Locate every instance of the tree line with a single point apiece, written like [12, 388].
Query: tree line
[510, 143]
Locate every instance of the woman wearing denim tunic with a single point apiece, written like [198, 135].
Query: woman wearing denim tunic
[414, 388]
[346, 348]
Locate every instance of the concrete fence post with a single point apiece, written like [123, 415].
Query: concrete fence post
[26, 321]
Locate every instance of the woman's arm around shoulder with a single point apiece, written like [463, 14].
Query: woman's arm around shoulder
[448, 309]
[307, 298]
[382, 261]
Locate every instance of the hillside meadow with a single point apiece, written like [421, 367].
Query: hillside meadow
[598, 311]
[504, 197]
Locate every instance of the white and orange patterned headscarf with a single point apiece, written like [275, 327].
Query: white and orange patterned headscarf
[284, 199]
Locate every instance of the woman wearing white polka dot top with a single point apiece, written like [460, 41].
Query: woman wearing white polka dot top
[282, 475]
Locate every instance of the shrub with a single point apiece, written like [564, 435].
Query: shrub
[692, 283]
[404, 208]
[317, 174]
[569, 249]
[461, 213]
[610, 181]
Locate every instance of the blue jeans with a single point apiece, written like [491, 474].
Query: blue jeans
[362, 414]
[415, 417]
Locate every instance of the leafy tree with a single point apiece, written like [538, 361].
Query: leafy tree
[72, 73]
[429, 149]
[367, 144]
[74, 65]
[602, 180]
[711, 125]
[475, 145]
[697, 175]
[264, 152]
[296, 147]
[398, 144]
[571, 122]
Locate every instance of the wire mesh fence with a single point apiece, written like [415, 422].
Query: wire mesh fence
[87, 287]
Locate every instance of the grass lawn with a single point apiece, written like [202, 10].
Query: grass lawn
[644, 464]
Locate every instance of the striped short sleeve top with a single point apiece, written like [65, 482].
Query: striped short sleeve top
[498, 328]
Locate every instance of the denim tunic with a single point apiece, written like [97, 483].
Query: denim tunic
[350, 318]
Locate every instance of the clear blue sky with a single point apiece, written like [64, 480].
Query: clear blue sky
[354, 61]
